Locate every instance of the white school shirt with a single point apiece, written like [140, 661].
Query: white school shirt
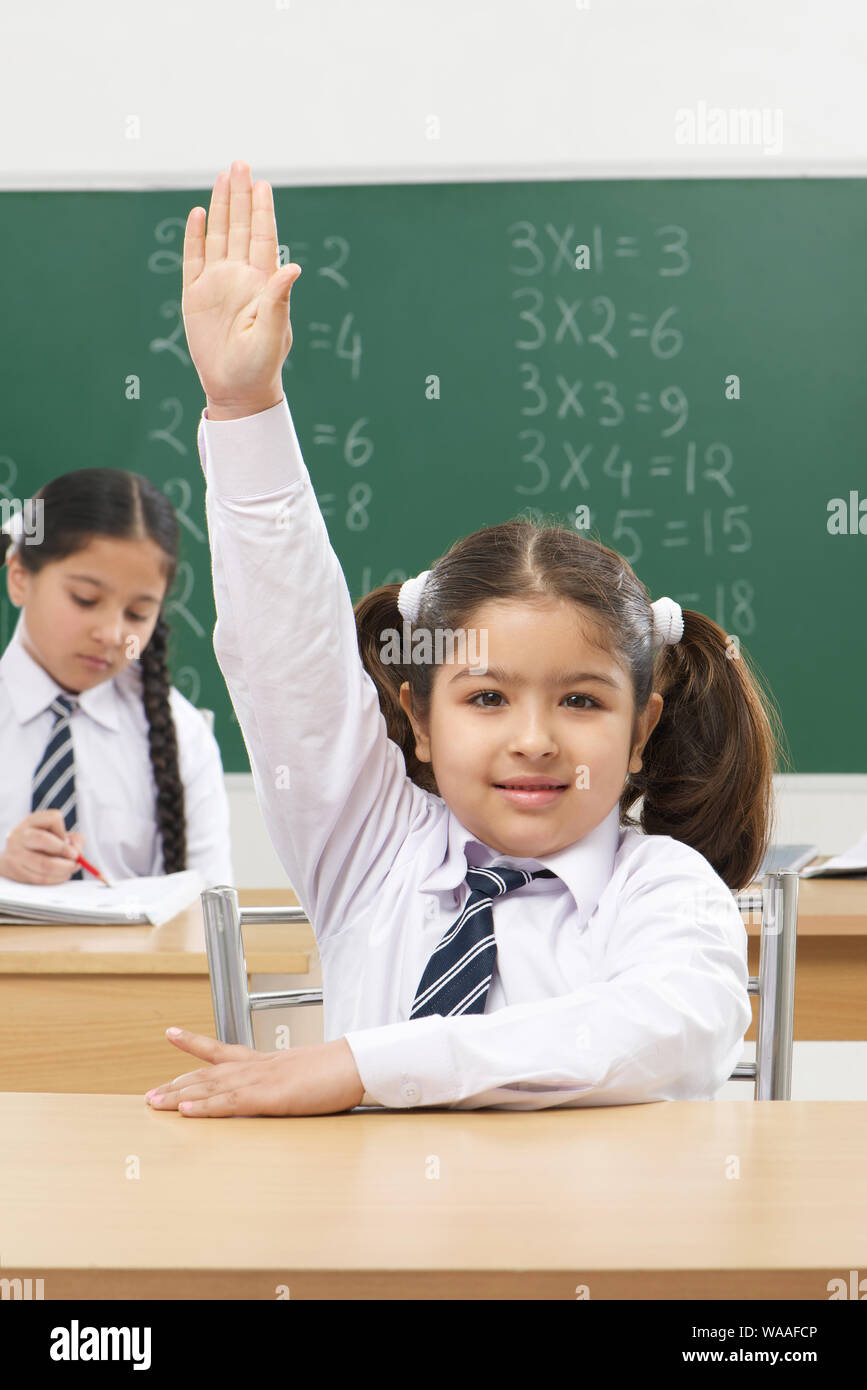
[115, 791]
[621, 981]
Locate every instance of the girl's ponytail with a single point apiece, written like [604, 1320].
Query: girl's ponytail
[376, 616]
[707, 773]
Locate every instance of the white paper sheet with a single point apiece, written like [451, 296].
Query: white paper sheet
[132, 900]
[852, 861]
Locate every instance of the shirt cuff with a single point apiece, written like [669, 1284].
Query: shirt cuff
[406, 1064]
[254, 456]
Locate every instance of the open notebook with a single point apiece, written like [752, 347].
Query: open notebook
[129, 902]
[852, 863]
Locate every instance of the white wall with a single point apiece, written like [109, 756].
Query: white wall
[341, 90]
[104, 94]
[829, 812]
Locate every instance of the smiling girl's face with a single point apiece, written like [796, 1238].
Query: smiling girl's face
[90, 605]
[551, 706]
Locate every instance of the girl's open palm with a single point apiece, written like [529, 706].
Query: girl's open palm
[236, 294]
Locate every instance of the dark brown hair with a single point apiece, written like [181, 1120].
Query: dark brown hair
[707, 767]
[77, 507]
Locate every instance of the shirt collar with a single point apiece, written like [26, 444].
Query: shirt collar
[31, 689]
[585, 867]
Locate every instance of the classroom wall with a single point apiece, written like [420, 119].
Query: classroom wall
[341, 91]
[828, 812]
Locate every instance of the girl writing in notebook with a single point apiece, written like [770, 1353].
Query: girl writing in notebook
[494, 929]
[101, 755]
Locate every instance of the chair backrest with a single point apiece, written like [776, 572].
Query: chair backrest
[233, 1004]
[774, 985]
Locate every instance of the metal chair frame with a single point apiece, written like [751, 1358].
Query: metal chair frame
[775, 984]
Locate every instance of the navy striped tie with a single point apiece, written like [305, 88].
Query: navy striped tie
[54, 778]
[458, 975]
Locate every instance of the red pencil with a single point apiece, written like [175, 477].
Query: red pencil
[91, 870]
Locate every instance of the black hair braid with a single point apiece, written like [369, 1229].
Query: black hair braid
[162, 738]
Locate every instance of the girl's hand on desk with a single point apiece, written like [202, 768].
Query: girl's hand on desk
[236, 296]
[318, 1080]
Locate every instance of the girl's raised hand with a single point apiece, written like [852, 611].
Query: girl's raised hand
[236, 295]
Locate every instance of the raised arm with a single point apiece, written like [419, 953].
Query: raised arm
[331, 785]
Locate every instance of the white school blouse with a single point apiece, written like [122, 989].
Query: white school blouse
[114, 783]
[621, 981]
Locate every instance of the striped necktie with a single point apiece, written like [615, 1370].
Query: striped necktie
[54, 778]
[458, 975]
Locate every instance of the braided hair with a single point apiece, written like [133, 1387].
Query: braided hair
[77, 507]
[163, 743]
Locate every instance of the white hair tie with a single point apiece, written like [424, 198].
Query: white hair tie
[667, 622]
[14, 527]
[667, 615]
[410, 596]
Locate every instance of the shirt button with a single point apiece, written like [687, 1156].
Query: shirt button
[410, 1092]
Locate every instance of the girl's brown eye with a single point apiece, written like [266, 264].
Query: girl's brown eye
[593, 704]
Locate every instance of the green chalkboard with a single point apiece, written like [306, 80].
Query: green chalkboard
[452, 366]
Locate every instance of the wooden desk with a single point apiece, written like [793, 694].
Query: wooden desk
[636, 1201]
[87, 1008]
